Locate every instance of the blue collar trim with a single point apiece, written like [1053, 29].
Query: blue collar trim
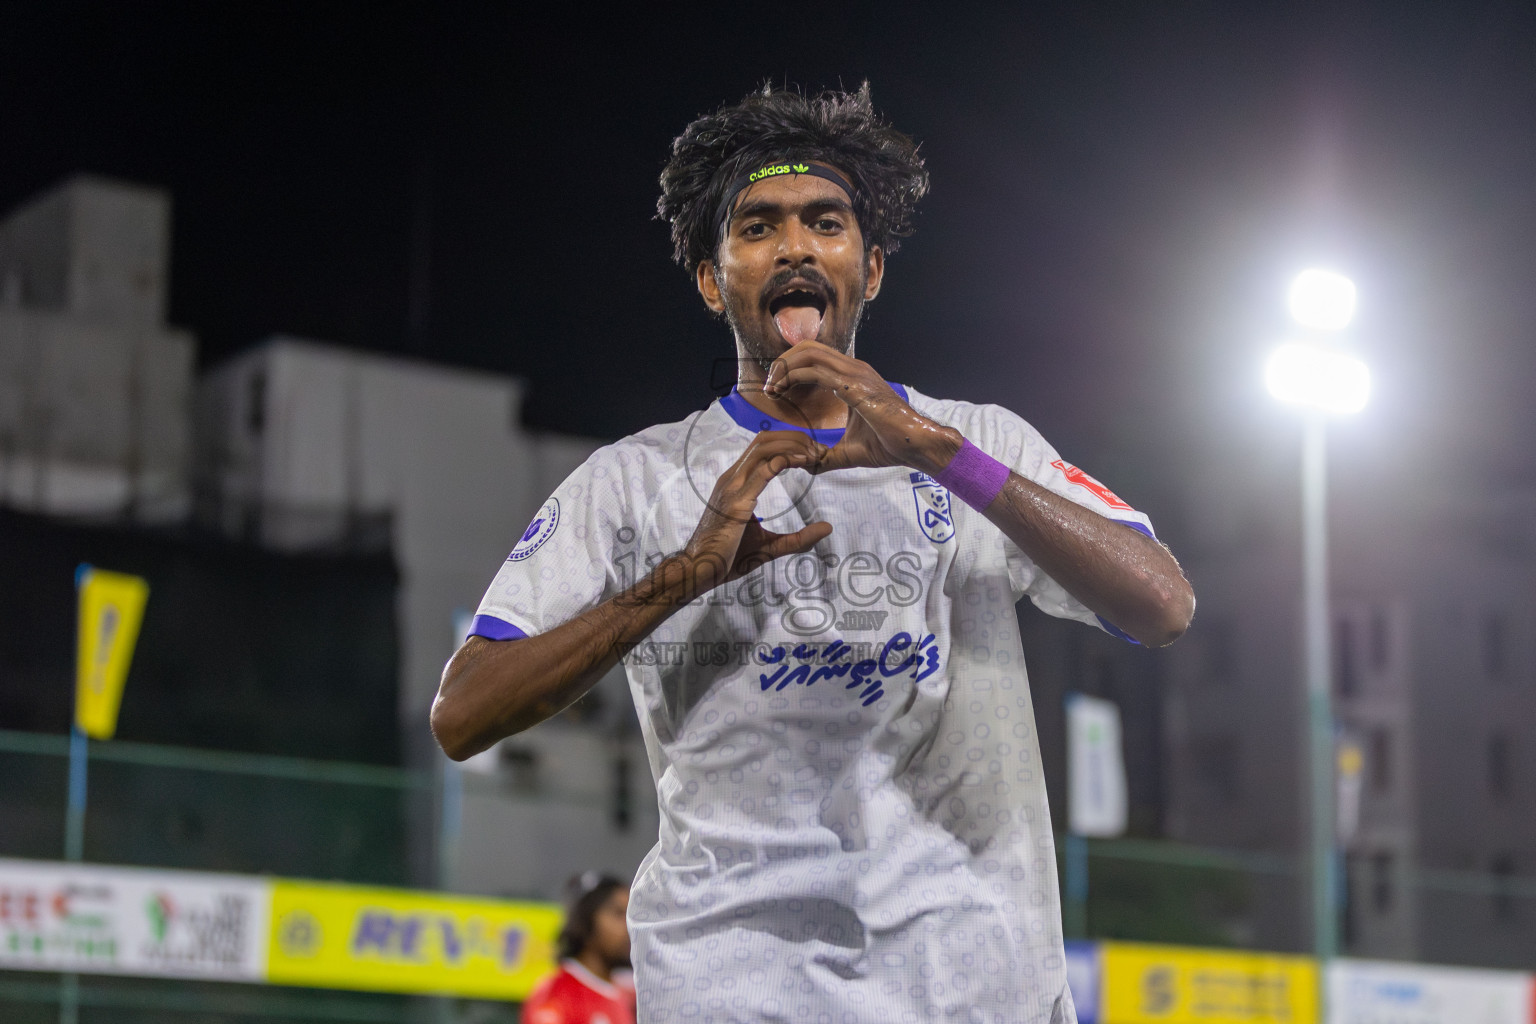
[754, 419]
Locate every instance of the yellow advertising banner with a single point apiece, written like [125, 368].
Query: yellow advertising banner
[110, 611]
[1146, 984]
[397, 940]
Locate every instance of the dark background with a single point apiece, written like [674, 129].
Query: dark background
[233, 633]
[1120, 195]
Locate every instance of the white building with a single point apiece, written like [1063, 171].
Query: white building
[1433, 587]
[306, 446]
[94, 386]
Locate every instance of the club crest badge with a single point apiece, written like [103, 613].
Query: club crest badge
[539, 531]
[933, 508]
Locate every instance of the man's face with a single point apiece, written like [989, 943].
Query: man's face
[792, 241]
[610, 931]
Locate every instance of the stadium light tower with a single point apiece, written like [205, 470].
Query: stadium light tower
[1314, 373]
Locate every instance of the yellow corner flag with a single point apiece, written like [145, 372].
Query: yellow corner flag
[111, 608]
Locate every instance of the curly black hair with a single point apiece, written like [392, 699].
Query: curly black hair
[836, 128]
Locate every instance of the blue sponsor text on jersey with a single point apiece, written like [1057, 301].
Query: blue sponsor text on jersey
[809, 664]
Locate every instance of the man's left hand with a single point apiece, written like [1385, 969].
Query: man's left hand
[883, 430]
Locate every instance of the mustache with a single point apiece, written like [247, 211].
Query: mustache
[791, 275]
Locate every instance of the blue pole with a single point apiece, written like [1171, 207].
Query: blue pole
[450, 822]
[74, 819]
[74, 848]
[74, 809]
[1076, 856]
[74, 832]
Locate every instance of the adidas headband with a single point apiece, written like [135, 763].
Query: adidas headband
[773, 170]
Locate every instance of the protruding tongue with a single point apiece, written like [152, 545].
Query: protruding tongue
[798, 323]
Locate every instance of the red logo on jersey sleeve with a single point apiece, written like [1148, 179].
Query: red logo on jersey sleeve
[1082, 479]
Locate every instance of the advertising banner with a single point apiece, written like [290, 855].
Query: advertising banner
[1375, 992]
[63, 917]
[1096, 792]
[1146, 984]
[395, 940]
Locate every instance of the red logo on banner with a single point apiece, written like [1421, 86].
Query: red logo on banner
[1082, 479]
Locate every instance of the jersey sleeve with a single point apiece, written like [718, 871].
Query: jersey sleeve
[1012, 441]
[562, 563]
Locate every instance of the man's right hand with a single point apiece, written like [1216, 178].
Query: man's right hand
[492, 689]
[729, 541]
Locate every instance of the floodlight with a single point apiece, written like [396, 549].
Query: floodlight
[1315, 376]
[1322, 300]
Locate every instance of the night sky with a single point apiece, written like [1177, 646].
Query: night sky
[1120, 196]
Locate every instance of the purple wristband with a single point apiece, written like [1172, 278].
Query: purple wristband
[973, 476]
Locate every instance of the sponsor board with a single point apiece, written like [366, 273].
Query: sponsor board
[1147, 984]
[1097, 804]
[182, 924]
[185, 924]
[1375, 992]
[90, 919]
[396, 940]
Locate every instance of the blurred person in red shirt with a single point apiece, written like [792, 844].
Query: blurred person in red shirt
[594, 984]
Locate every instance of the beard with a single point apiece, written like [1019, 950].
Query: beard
[764, 345]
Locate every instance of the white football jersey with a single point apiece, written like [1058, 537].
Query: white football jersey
[853, 817]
